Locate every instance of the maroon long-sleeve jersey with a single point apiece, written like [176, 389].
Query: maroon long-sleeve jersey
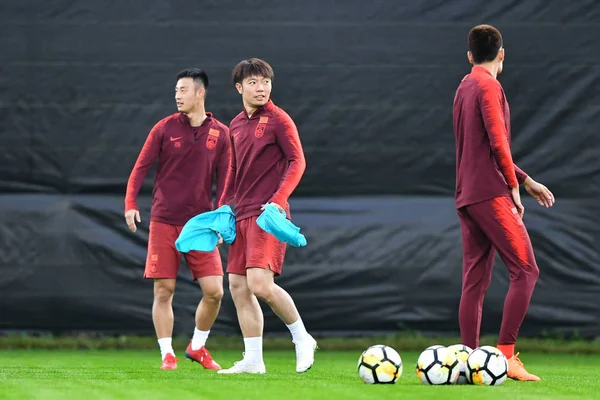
[484, 163]
[188, 159]
[267, 160]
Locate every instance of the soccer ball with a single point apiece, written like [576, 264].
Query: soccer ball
[435, 346]
[438, 366]
[462, 353]
[487, 366]
[380, 364]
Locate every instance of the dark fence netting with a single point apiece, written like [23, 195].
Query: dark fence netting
[370, 87]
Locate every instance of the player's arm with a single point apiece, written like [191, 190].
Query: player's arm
[288, 139]
[228, 191]
[223, 167]
[493, 117]
[144, 162]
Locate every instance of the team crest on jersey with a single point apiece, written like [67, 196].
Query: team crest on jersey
[260, 128]
[212, 138]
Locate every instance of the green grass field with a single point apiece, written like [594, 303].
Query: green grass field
[135, 374]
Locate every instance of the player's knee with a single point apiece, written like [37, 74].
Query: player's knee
[212, 288]
[237, 287]
[163, 294]
[528, 273]
[262, 288]
[241, 294]
[533, 272]
[214, 294]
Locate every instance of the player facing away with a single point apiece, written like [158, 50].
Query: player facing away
[267, 163]
[488, 200]
[191, 147]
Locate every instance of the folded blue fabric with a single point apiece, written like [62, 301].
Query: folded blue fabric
[200, 232]
[273, 221]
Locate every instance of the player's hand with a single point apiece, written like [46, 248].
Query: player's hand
[516, 196]
[130, 217]
[539, 192]
[281, 210]
[220, 239]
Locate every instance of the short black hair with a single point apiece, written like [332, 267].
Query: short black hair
[198, 75]
[485, 42]
[252, 67]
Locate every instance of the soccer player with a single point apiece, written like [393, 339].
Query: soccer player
[191, 146]
[267, 163]
[488, 200]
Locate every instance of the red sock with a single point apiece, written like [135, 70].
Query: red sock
[507, 349]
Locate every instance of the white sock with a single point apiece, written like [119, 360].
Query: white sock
[298, 330]
[166, 346]
[253, 347]
[199, 338]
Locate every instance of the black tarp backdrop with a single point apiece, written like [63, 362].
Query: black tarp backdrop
[370, 87]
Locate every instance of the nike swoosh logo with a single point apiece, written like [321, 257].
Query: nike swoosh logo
[175, 138]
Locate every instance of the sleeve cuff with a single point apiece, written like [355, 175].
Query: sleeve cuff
[521, 177]
[131, 205]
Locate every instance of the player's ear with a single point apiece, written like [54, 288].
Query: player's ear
[470, 57]
[238, 86]
[501, 55]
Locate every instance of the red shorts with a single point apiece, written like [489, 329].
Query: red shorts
[163, 259]
[254, 247]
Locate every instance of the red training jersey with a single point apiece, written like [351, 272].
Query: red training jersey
[188, 159]
[481, 116]
[267, 160]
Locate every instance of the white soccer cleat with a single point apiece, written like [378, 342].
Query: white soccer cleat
[244, 367]
[305, 354]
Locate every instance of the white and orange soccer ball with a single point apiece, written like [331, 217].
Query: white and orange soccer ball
[380, 364]
[462, 354]
[438, 365]
[487, 365]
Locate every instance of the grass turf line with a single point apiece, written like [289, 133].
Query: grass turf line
[405, 341]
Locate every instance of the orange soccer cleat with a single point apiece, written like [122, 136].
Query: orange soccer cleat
[517, 371]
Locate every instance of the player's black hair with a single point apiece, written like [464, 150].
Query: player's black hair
[251, 67]
[200, 78]
[485, 42]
